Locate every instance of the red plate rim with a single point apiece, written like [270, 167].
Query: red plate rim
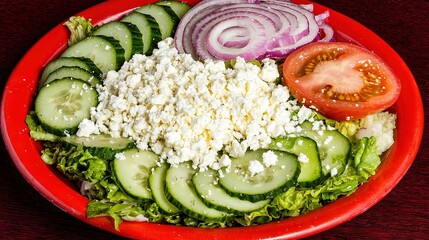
[24, 152]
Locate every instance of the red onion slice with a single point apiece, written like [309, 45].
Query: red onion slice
[252, 50]
[327, 32]
[237, 18]
[251, 29]
[193, 16]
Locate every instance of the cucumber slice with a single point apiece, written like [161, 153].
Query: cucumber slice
[148, 27]
[180, 8]
[132, 171]
[164, 16]
[334, 148]
[62, 104]
[240, 182]
[102, 145]
[73, 72]
[303, 147]
[106, 52]
[181, 192]
[207, 186]
[126, 33]
[157, 186]
[81, 62]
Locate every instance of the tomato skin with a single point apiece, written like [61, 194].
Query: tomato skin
[332, 78]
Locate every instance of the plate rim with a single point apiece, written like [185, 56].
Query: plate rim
[301, 225]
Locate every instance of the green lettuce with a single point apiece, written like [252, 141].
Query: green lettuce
[296, 201]
[36, 130]
[79, 28]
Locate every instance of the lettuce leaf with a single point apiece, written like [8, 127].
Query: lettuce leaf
[366, 158]
[79, 28]
[36, 130]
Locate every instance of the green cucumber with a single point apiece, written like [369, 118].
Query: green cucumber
[207, 186]
[241, 183]
[181, 192]
[73, 72]
[126, 33]
[180, 8]
[106, 52]
[62, 104]
[131, 170]
[148, 27]
[157, 186]
[164, 16]
[102, 145]
[306, 148]
[334, 148]
[81, 62]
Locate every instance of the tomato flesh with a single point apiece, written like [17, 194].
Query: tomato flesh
[340, 80]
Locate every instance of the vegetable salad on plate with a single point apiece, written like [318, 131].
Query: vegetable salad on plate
[222, 114]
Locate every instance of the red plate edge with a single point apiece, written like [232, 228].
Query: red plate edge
[15, 136]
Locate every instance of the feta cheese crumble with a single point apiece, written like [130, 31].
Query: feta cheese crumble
[187, 110]
[255, 167]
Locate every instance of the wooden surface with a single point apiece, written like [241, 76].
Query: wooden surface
[403, 214]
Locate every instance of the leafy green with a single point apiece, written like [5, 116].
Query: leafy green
[79, 28]
[36, 130]
[366, 159]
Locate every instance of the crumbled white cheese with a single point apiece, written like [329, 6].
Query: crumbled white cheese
[334, 172]
[187, 110]
[255, 167]
[303, 158]
[269, 158]
[86, 128]
[120, 156]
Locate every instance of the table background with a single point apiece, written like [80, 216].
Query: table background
[403, 214]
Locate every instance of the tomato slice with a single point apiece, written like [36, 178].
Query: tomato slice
[340, 80]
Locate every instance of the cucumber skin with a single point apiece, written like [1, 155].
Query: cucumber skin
[223, 208]
[107, 153]
[61, 131]
[84, 63]
[191, 213]
[154, 30]
[180, 7]
[289, 145]
[308, 132]
[136, 37]
[119, 52]
[165, 208]
[123, 189]
[269, 194]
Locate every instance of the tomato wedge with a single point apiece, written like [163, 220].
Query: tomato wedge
[340, 80]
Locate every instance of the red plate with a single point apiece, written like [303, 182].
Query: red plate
[25, 153]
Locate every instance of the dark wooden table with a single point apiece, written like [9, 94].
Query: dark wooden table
[403, 214]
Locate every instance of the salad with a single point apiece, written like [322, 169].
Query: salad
[227, 113]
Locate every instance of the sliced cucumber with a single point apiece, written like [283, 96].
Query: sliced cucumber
[181, 192]
[148, 27]
[81, 62]
[180, 8]
[334, 148]
[207, 186]
[102, 145]
[126, 33]
[132, 171]
[157, 185]
[73, 72]
[106, 52]
[240, 182]
[62, 104]
[306, 148]
[164, 16]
